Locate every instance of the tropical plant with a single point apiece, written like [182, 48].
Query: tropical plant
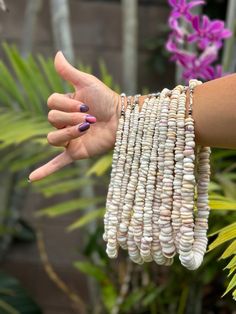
[14, 299]
[23, 111]
[194, 43]
[25, 85]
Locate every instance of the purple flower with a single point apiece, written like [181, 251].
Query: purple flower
[207, 32]
[170, 44]
[183, 57]
[196, 70]
[206, 36]
[201, 66]
[181, 8]
[179, 55]
[178, 31]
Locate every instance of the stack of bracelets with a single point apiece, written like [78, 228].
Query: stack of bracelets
[157, 201]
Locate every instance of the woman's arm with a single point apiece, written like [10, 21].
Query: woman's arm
[214, 112]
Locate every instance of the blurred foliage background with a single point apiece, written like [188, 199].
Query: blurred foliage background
[120, 286]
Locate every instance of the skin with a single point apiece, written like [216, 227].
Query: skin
[214, 112]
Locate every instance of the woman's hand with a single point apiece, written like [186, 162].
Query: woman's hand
[65, 114]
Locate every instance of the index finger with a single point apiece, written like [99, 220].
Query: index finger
[52, 166]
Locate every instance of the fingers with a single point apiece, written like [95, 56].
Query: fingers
[55, 164]
[65, 111]
[60, 137]
[68, 72]
[64, 103]
[61, 119]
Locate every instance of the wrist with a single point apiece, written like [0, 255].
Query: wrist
[119, 102]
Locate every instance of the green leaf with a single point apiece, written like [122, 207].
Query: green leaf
[232, 270]
[101, 166]
[231, 285]
[19, 65]
[53, 78]
[214, 187]
[83, 67]
[27, 162]
[220, 154]
[10, 86]
[216, 197]
[19, 128]
[234, 295]
[39, 79]
[67, 173]
[69, 206]
[65, 186]
[91, 270]
[151, 296]
[109, 296]
[229, 233]
[105, 76]
[109, 293]
[232, 263]
[87, 218]
[230, 227]
[231, 249]
[132, 299]
[14, 298]
[228, 186]
[7, 308]
[222, 204]
[5, 99]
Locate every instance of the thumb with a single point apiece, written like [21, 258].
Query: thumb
[67, 71]
[53, 165]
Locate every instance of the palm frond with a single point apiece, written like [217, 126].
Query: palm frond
[227, 234]
[87, 218]
[69, 206]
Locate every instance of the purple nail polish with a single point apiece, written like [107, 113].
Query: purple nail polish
[84, 126]
[89, 118]
[84, 108]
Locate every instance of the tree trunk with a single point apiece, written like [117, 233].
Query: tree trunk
[30, 21]
[63, 41]
[130, 45]
[3, 5]
[61, 27]
[229, 53]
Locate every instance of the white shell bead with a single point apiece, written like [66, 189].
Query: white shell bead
[150, 201]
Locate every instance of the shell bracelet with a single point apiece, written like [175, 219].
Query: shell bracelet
[157, 200]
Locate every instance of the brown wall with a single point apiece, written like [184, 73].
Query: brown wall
[96, 27]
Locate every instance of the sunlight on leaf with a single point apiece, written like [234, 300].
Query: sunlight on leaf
[69, 206]
[231, 249]
[101, 166]
[222, 204]
[87, 218]
[231, 285]
[7, 308]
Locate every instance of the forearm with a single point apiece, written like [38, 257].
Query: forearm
[214, 112]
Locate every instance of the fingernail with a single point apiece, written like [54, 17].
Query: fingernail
[84, 126]
[83, 108]
[89, 118]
